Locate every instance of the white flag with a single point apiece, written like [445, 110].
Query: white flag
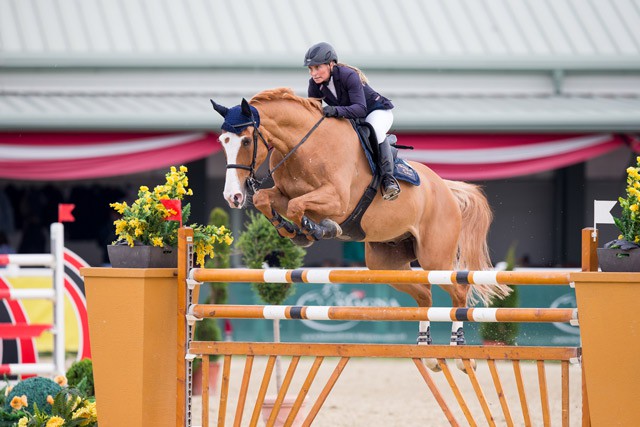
[602, 212]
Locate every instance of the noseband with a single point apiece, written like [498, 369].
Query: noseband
[253, 184]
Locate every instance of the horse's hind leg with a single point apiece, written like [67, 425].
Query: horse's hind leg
[437, 251]
[382, 256]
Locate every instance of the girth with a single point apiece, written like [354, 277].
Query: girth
[351, 229]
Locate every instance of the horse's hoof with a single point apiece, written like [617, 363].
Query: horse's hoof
[432, 364]
[333, 229]
[301, 240]
[460, 365]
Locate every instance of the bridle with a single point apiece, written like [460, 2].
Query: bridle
[253, 184]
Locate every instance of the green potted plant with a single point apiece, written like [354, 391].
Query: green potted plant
[209, 329]
[80, 376]
[148, 229]
[622, 254]
[503, 333]
[42, 402]
[262, 247]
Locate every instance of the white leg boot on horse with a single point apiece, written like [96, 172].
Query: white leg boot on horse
[424, 338]
[389, 186]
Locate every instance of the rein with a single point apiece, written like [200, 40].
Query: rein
[252, 182]
[293, 150]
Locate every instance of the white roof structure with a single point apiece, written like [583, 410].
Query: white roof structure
[448, 65]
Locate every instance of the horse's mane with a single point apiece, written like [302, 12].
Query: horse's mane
[285, 93]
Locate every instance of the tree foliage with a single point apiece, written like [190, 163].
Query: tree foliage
[501, 331]
[262, 246]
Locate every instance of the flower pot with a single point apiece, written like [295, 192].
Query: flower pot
[214, 374]
[133, 333]
[611, 260]
[610, 336]
[142, 256]
[285, 409]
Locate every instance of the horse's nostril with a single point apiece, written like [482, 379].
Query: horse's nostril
[237, 199]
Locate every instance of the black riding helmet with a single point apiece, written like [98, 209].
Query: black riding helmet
[320, 53]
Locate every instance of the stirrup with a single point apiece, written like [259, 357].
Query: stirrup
[391, 196]
[388, 192]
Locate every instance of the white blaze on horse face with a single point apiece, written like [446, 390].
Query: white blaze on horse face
[233, 192]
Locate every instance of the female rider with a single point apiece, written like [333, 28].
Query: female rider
[346, 92]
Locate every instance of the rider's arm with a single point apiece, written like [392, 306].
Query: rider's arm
[352, 84]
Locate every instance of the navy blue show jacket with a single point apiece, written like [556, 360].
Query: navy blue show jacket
[354, 99]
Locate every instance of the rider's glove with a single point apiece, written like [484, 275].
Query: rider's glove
[330, 111]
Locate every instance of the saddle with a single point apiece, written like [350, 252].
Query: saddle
[351, 229]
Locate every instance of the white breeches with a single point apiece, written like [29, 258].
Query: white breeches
[381, 120]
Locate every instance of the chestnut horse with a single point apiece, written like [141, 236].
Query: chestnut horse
[440, 223]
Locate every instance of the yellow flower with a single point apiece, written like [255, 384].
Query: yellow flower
[620, 237]
[61, 380]
[18, 402]
[55, 421]
[87, 412]
[143, 220]
[120, 224]
[50, 399]
[633, 208]
[119, 207]
[23, 422]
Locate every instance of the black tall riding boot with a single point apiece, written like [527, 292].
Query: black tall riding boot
[389, 186]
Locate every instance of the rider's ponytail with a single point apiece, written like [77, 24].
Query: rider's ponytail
[363, 78]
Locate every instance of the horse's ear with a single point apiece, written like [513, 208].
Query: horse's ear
[222, 110]
[246, 111]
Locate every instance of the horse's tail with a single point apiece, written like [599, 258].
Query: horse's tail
[473, 250]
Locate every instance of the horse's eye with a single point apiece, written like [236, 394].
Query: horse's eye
[246, 142]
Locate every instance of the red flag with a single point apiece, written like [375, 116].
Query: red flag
[176, 206]
[64, 212]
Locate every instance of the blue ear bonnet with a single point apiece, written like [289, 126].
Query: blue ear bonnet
[236, 122]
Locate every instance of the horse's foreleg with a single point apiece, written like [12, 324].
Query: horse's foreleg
[268, 201]
[324, 202]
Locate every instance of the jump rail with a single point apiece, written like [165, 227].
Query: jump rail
[406, 314]
[189, 278]
[273, 275]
